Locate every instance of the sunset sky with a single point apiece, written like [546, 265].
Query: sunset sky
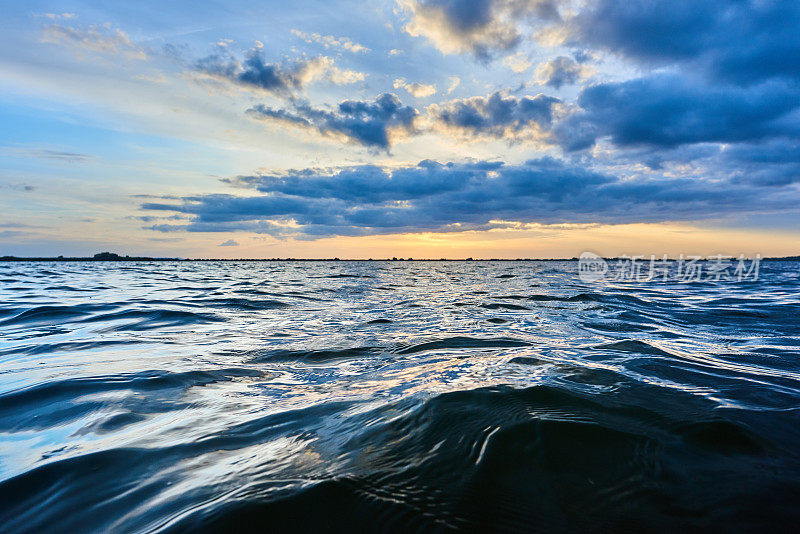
[424, 128]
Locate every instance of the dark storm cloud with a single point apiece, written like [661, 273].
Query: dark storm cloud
[497, 115]
[368, 200]
[372, 124]
[370, 183]
[734, 81]
[672, 110]
[743, 41]
[773, 163]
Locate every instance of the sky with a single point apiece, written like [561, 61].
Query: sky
[408, 128]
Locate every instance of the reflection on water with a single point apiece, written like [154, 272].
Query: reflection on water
[427, 396]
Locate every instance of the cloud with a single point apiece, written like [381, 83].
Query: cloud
[49, 154]
[26, 188]
[20, 225]
[671, 110]
[10, 234]
[278, 78]
[229, 243]
[497, 115]
[58, 16]
[339, 76]
[561, 71]
[166, 239]
[770, 163]
[103, 39]
[455, 81]
[479, 27]
[416, 89]
[518, 62]
[368, 183]
[743, 41]
[329, 41]
[709, 117]
[431, 196]
[377, 124]
[717, 93]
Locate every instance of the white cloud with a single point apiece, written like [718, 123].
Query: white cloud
[58, 16]
[329, 41]
[340, 76]
[103, 39]
[455, 81]
[416, 89]
[518, 62]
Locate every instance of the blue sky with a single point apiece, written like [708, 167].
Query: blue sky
[489, 128]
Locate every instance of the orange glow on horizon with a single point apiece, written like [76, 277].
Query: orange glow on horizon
[535, 241]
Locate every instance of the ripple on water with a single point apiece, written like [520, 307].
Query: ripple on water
[394, 396]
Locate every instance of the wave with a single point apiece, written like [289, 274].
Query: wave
[312, 355]
[503, 306]
[52, 314]
[491, 459]
[56, 402]
[462, 342]
[633, 345]
[244, 304]
[150, 319]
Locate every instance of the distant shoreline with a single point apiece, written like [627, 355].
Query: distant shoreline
[109, 257]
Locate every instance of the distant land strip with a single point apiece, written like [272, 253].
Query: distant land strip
[110, 256]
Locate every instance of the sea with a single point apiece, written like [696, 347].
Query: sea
[395, 396]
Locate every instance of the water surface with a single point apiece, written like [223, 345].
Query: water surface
[402, 396]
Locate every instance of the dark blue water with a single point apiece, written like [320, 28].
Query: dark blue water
[395, 396]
